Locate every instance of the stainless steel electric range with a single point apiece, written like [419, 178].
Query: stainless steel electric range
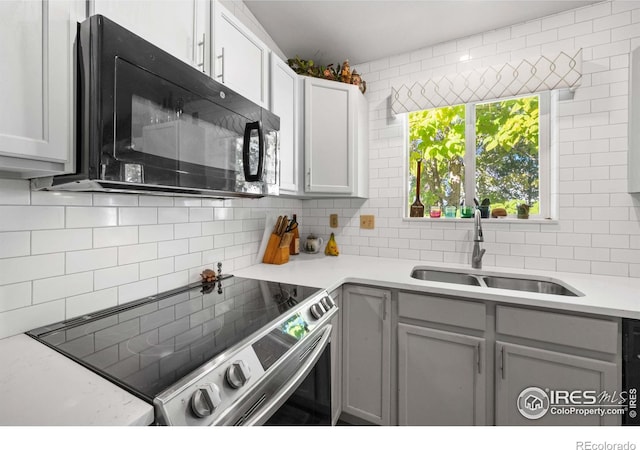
[233, 352]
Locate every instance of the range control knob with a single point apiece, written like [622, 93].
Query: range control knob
[238, 374]
[316, 310]
[327, 303]
[205, 400]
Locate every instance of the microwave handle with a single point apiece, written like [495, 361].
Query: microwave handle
[248, 176]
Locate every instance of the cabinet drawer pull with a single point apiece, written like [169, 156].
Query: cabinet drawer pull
[478, 357]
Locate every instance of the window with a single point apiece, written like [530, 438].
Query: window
[497, 152]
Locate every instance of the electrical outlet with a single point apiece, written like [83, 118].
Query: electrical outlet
[367, 222]
[333, 221]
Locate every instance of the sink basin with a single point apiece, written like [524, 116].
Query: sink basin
[528, 284]
[512, 282]
[444, 277]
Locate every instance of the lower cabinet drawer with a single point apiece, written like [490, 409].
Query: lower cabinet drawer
[564, 329]
[461, 313]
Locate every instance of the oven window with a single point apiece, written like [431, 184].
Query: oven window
[310, 404]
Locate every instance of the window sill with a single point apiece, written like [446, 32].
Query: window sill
[508, 220]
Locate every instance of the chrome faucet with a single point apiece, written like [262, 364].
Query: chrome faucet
[476, 256]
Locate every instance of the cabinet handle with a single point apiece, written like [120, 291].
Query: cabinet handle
[478, 357]
[202, 44]
[502, 363]
[384, 308]
[309, 177]
[221, 58]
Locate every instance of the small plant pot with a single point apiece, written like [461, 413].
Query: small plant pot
[523, 211]
[484, 211]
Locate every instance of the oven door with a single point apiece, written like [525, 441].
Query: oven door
[303, 397]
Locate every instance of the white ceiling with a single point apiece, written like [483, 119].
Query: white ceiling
[329, 31]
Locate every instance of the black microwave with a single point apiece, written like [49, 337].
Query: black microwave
[150, 123]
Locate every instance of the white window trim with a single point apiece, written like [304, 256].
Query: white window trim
[548, 160]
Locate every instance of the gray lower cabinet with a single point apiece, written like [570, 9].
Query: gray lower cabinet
[520, 367]
[366, 334]
[336, 358]
[441, 377]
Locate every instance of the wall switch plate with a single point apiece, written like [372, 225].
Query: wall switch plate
[333, 221]
[367, 222]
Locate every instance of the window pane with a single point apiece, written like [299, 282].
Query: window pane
[437, 136]
[507, 154]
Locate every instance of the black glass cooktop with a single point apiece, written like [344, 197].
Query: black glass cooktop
[148, 347]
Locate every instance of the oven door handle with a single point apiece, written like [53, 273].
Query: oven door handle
[267, 409]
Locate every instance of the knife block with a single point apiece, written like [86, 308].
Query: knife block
[277, 251]
[281, 256]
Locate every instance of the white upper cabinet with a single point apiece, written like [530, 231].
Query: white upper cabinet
[36, 118]
[240, 58]
[284, 99]
[335, 139]
[179, 27]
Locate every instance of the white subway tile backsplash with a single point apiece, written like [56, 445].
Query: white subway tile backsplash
[14, 296]
[174, 280]
[63, 286]
[60, 240]
[200, 214]
[20, 218]
[25, 268]
[15, 192]
[138, 290]
[187, 230]
[113, 237]
[187, 201]
[91, 217]
[136, 253]
[15, 244]
[172, 248]
[20, 320]
[115, 200]
[87, 303]
[60, 198]
[155, 233]
[115, 276]
[84, 260]
[137, 216]
[156, 268]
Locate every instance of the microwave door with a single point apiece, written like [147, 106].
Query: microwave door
[174, 136]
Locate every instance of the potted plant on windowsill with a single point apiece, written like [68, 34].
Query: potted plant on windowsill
[523, 211]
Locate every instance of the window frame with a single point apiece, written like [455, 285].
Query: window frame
[547, 156]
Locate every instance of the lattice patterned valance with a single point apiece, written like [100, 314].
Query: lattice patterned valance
[526, 76]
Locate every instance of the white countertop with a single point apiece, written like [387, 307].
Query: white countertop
[39, 386]
[603, 295]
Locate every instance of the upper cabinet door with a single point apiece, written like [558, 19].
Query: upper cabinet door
[36, 126]
[284, 103]
[178, 27]
[330, 136]
[241, 59]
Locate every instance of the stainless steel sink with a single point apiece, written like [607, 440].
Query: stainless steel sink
[444, 277]
[514, 283]
[529, 285]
